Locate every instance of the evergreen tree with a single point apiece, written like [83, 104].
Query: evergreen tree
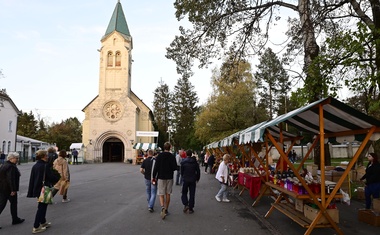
[184, 110]
[162, 112]
[27, 125]
[273, 83]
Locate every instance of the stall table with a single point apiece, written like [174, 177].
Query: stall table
[249, 182]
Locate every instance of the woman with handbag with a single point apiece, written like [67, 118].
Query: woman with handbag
[40, 176]
[60, 164]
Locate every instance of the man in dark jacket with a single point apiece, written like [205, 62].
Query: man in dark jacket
[211, 162]
[163, 171]
[191, 174]
[41, 171]
[9, 185]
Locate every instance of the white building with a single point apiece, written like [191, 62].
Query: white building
[8, 123]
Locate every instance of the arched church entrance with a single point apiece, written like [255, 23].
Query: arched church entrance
[113, 150]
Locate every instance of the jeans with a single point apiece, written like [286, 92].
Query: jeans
[223, 191]
[4, 197]
[371, 189]
[188, 187]
[40, 215]
[151, 192]
[178, 180]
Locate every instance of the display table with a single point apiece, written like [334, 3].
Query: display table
[249, 182]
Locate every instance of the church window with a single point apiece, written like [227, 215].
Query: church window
[3, 148]
[9, 146]
[118, 59]
[109, 59]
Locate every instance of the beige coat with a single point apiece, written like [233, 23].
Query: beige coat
[60, 164]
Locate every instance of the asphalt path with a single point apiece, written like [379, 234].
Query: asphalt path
[110, 198]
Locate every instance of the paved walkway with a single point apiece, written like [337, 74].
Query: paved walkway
[109, 198]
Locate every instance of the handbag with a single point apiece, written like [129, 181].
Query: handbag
[46, 195]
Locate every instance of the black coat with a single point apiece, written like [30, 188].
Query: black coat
[190, 171]
[372, 173]
[9, 178]
[36, 178]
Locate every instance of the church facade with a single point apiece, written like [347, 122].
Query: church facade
[116, 113]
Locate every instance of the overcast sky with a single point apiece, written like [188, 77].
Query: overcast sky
[49, 57]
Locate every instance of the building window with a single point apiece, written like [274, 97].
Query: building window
[109, 59]
[9, 146]
[10, 126]
[118, 59]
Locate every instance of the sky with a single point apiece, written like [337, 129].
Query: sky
[49, 57]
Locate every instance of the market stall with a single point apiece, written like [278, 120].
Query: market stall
[325, 119]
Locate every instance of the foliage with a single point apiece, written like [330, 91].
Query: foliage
[62, 134]
[184, 110]
[273, 83]
[231, 107]
[161, 111]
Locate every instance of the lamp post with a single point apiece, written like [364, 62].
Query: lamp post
[169, 131]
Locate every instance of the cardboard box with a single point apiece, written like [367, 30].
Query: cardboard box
[369, 217]
[376, 204]
[360, 193]
[299, 205]
[311, 213]
[313, 169]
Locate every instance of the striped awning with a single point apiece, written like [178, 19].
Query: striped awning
[145, 146]
[340, 120]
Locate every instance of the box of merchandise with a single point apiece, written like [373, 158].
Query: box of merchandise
[299, 205]
[376, 204]
[369, 217]
[313, 169]
[311, 213]
[360, 193]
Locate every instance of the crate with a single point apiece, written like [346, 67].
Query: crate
[360, 193]
[376, 204]
[311, 213]
[369, 217]
[299, 205]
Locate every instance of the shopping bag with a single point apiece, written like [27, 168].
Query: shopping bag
[46, 195]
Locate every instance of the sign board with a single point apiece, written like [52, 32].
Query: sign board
[147, 133]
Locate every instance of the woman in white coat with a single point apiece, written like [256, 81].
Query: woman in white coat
[222, 177]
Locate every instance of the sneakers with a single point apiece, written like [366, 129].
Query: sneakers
[163, 213]
[65, 200]
[225, 200]
[18, 221]
[39, 229]
[191, 211]
[150, 210]
[217, 198]
[185, 209]
[46, 224]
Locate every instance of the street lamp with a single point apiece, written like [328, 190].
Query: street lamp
[169, 131]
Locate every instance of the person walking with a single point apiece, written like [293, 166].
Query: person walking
[210, 163]
[163, 175]
[178, 158]
[40, 174]
[9, 185]
[222, 177]
[52, 155]
[191, 174]
[205, 161]
[2, 158]
[61, 165]
[372, 177]
[75, 156]
[151, 186]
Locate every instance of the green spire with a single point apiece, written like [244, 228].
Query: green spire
[118, 22]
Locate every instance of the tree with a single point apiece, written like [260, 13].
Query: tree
[184, 110]
[242, 28]
[162, 111]
[231, 106]
[65, 133]
[273, 83]
[27, 125]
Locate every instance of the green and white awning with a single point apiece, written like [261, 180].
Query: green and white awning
[145, 146]
[339, 120]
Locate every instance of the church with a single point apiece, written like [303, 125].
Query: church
[116, 114]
